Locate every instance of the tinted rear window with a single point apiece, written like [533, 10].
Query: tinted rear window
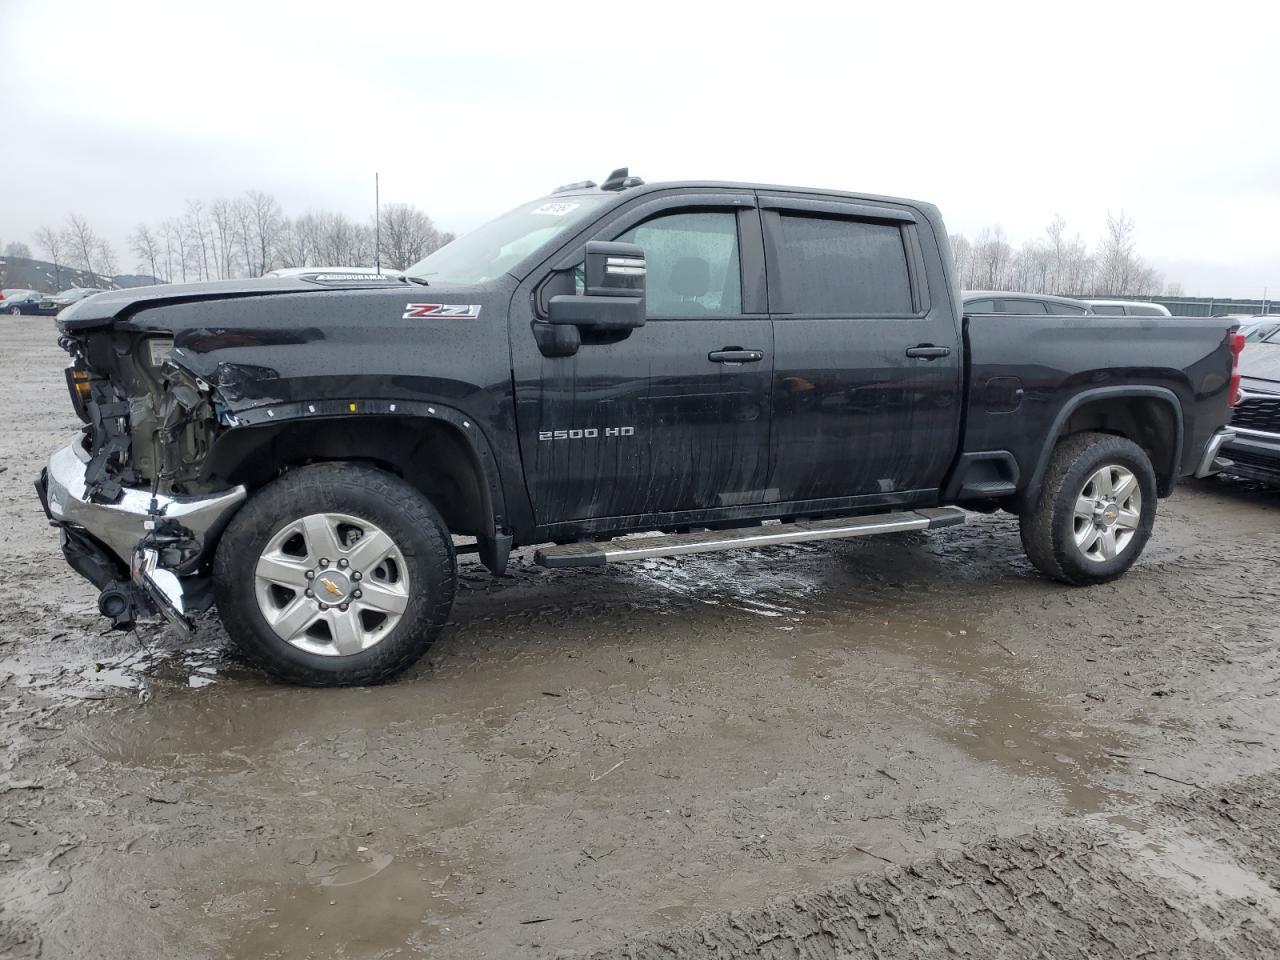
[1023, 306]
[844, 267]
[1066, 309]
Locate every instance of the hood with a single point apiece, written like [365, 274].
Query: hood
[103, 308]
[1261, 362]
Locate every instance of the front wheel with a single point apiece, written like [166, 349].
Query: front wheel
[1096, 510]
[335, 575]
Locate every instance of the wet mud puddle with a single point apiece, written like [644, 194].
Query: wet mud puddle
[351, 900]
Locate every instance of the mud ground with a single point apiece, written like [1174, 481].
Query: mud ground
[909, 745]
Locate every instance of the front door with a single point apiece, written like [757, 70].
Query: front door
[867, 360]
[675, 415]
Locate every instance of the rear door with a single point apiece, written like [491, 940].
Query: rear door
[867, 360]
[674, 416]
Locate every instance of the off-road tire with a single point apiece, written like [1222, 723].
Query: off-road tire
[1047, 530]
[363, 491]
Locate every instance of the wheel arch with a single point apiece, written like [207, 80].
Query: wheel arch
[1150, 416]
[438, 450]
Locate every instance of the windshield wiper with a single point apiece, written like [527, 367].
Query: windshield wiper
[415, 280]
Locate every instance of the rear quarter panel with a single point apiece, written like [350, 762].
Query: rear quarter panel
[1058, 360]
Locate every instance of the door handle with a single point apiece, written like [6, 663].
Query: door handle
[927, 351]
[735, 355]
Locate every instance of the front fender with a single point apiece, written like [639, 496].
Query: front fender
[239, 427]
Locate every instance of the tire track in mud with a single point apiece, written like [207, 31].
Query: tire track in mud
[1198, 877]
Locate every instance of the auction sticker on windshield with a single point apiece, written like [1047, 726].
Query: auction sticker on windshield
[556, 209]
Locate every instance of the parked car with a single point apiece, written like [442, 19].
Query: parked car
[1254, 452]
[331, 271]
[597, 362]
[1254, 326]
[1128, 308]
[18, 302]
[996, 301]
[64, 298]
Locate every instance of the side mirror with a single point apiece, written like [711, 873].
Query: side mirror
[610, 307]
[614, 290]
[614, 269]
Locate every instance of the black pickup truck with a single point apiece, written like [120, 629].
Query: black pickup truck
[715, 364]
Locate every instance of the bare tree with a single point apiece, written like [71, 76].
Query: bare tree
[408, 235]
[1058, 265]
[104, 255]
[295, 244]
[195, 223]
[991, 258]
[264, 220]
[82, 242]
[1057, 234]
[1116, 256]
[223, 217]
[1032, 267]
[175, 236]
[17, 248]
[147, 248]
[51, 240]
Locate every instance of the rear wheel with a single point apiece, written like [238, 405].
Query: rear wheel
[334, 575]
[1096, 510]
[15, 311]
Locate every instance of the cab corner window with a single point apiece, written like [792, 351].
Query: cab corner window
[692, 264]
[835, 267]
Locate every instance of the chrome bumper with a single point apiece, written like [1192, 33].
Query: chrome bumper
[121, 525]
[1210, 462]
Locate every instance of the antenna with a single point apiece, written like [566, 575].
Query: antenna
[377, 226]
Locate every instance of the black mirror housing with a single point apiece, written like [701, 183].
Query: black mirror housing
[614, 269]
[598, 313]
[611, 306]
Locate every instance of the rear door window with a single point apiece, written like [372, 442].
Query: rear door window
[1138, 310]
[980, 306]
[1066, 309]
[838, 267]
[1022, 306]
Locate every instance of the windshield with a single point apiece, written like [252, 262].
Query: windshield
[496, 247]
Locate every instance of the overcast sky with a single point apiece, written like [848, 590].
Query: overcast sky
[998, 113]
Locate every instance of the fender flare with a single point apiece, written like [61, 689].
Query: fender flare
[464, 424]
[1030, 493]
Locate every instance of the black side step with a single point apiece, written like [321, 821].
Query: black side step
[643, 548]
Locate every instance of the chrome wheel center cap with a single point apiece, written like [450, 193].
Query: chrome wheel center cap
[1106, 513]
[332, 586]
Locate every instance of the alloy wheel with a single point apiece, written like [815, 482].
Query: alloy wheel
[331, 584]
[1108, 513]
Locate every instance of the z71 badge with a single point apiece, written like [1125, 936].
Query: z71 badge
[446, 311]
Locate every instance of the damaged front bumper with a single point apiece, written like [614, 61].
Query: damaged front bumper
[144, 552]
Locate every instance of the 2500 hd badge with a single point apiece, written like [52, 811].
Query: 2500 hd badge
[586, 433]
[301, 455]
